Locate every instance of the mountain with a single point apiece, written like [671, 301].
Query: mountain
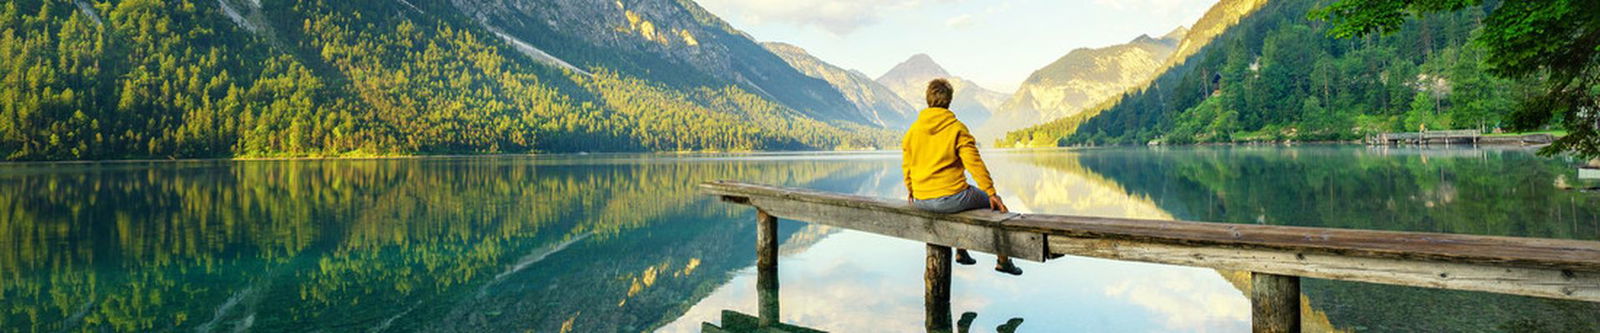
[1217, 19]
[238, 78]
[972, 104]
[1275, 75]
[1081, 79]
[675, 42]
[878, 104]
[1221, 16]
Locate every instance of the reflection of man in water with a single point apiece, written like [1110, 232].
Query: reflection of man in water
[937, 153]
[965, 324]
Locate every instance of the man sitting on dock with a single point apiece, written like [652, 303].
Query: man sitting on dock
[937, 153]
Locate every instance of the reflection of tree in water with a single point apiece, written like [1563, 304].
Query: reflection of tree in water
[1489, 192]
[355, 244]
[1492, 192]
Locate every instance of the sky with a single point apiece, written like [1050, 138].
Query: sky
[996, 43]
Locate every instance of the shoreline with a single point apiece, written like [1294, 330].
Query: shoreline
[1531, 140]
[1484, 141]
[421, 156]
[1293, 143]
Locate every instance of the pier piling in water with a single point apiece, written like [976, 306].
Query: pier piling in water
[1274, 303]
[936, 294]
[767, 267]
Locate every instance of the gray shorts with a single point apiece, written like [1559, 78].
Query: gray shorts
[968, 199]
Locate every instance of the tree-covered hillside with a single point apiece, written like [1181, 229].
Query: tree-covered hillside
[172, 79]
[1278, 76]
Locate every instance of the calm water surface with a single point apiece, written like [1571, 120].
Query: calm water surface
[624, 243]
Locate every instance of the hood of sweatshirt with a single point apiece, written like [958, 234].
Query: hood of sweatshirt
[934, 120]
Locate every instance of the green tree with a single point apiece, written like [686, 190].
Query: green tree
[1555, 40]
[1422, 114]
[1477, 97]
[141, 79]
[1263, 71]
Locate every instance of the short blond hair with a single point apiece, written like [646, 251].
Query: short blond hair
[939, 93]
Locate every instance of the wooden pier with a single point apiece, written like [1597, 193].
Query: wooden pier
[1424, 138]
[1277, 256]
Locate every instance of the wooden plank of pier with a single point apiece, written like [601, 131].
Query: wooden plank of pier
[973, 230]
[1560, 269]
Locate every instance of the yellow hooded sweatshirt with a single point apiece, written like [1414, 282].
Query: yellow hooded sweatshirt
[935, 153]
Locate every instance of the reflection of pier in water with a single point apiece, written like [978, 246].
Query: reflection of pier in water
[1440, 152]
[936, 297]
[1427, 137]
[766, 288]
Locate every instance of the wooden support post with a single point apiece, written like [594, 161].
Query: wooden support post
[767, 295]
[1274, 303]
[936, 297]
[767, 267]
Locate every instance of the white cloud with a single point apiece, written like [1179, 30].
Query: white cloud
[840, 17]
[962, 21]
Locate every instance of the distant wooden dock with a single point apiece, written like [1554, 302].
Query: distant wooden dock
[1425, 138]
[1277, 256]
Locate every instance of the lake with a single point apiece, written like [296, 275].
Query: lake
[603, 243]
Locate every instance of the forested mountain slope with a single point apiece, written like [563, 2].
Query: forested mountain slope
[1278, 76]
[675, 42]
[1217, 19]
[173, 79]
[1221, 16]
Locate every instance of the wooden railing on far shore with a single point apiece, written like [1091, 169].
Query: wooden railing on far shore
[1277, 256]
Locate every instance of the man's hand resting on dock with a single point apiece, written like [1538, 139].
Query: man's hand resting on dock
[995, 204]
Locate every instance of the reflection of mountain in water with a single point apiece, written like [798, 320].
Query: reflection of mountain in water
[1055, 183]
[352, 245]
[1492, 192]
[1062, 185]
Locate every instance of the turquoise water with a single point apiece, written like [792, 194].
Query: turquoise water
[605, 243]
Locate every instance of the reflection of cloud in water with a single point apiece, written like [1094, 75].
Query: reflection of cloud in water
[1185, 304]
[850, 281]
[853, 282]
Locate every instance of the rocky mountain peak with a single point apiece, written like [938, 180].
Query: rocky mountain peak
[1080, 79]
[1176, 33]
[875, 102]
[918, 66]
[971, 103]
[1143, 38]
